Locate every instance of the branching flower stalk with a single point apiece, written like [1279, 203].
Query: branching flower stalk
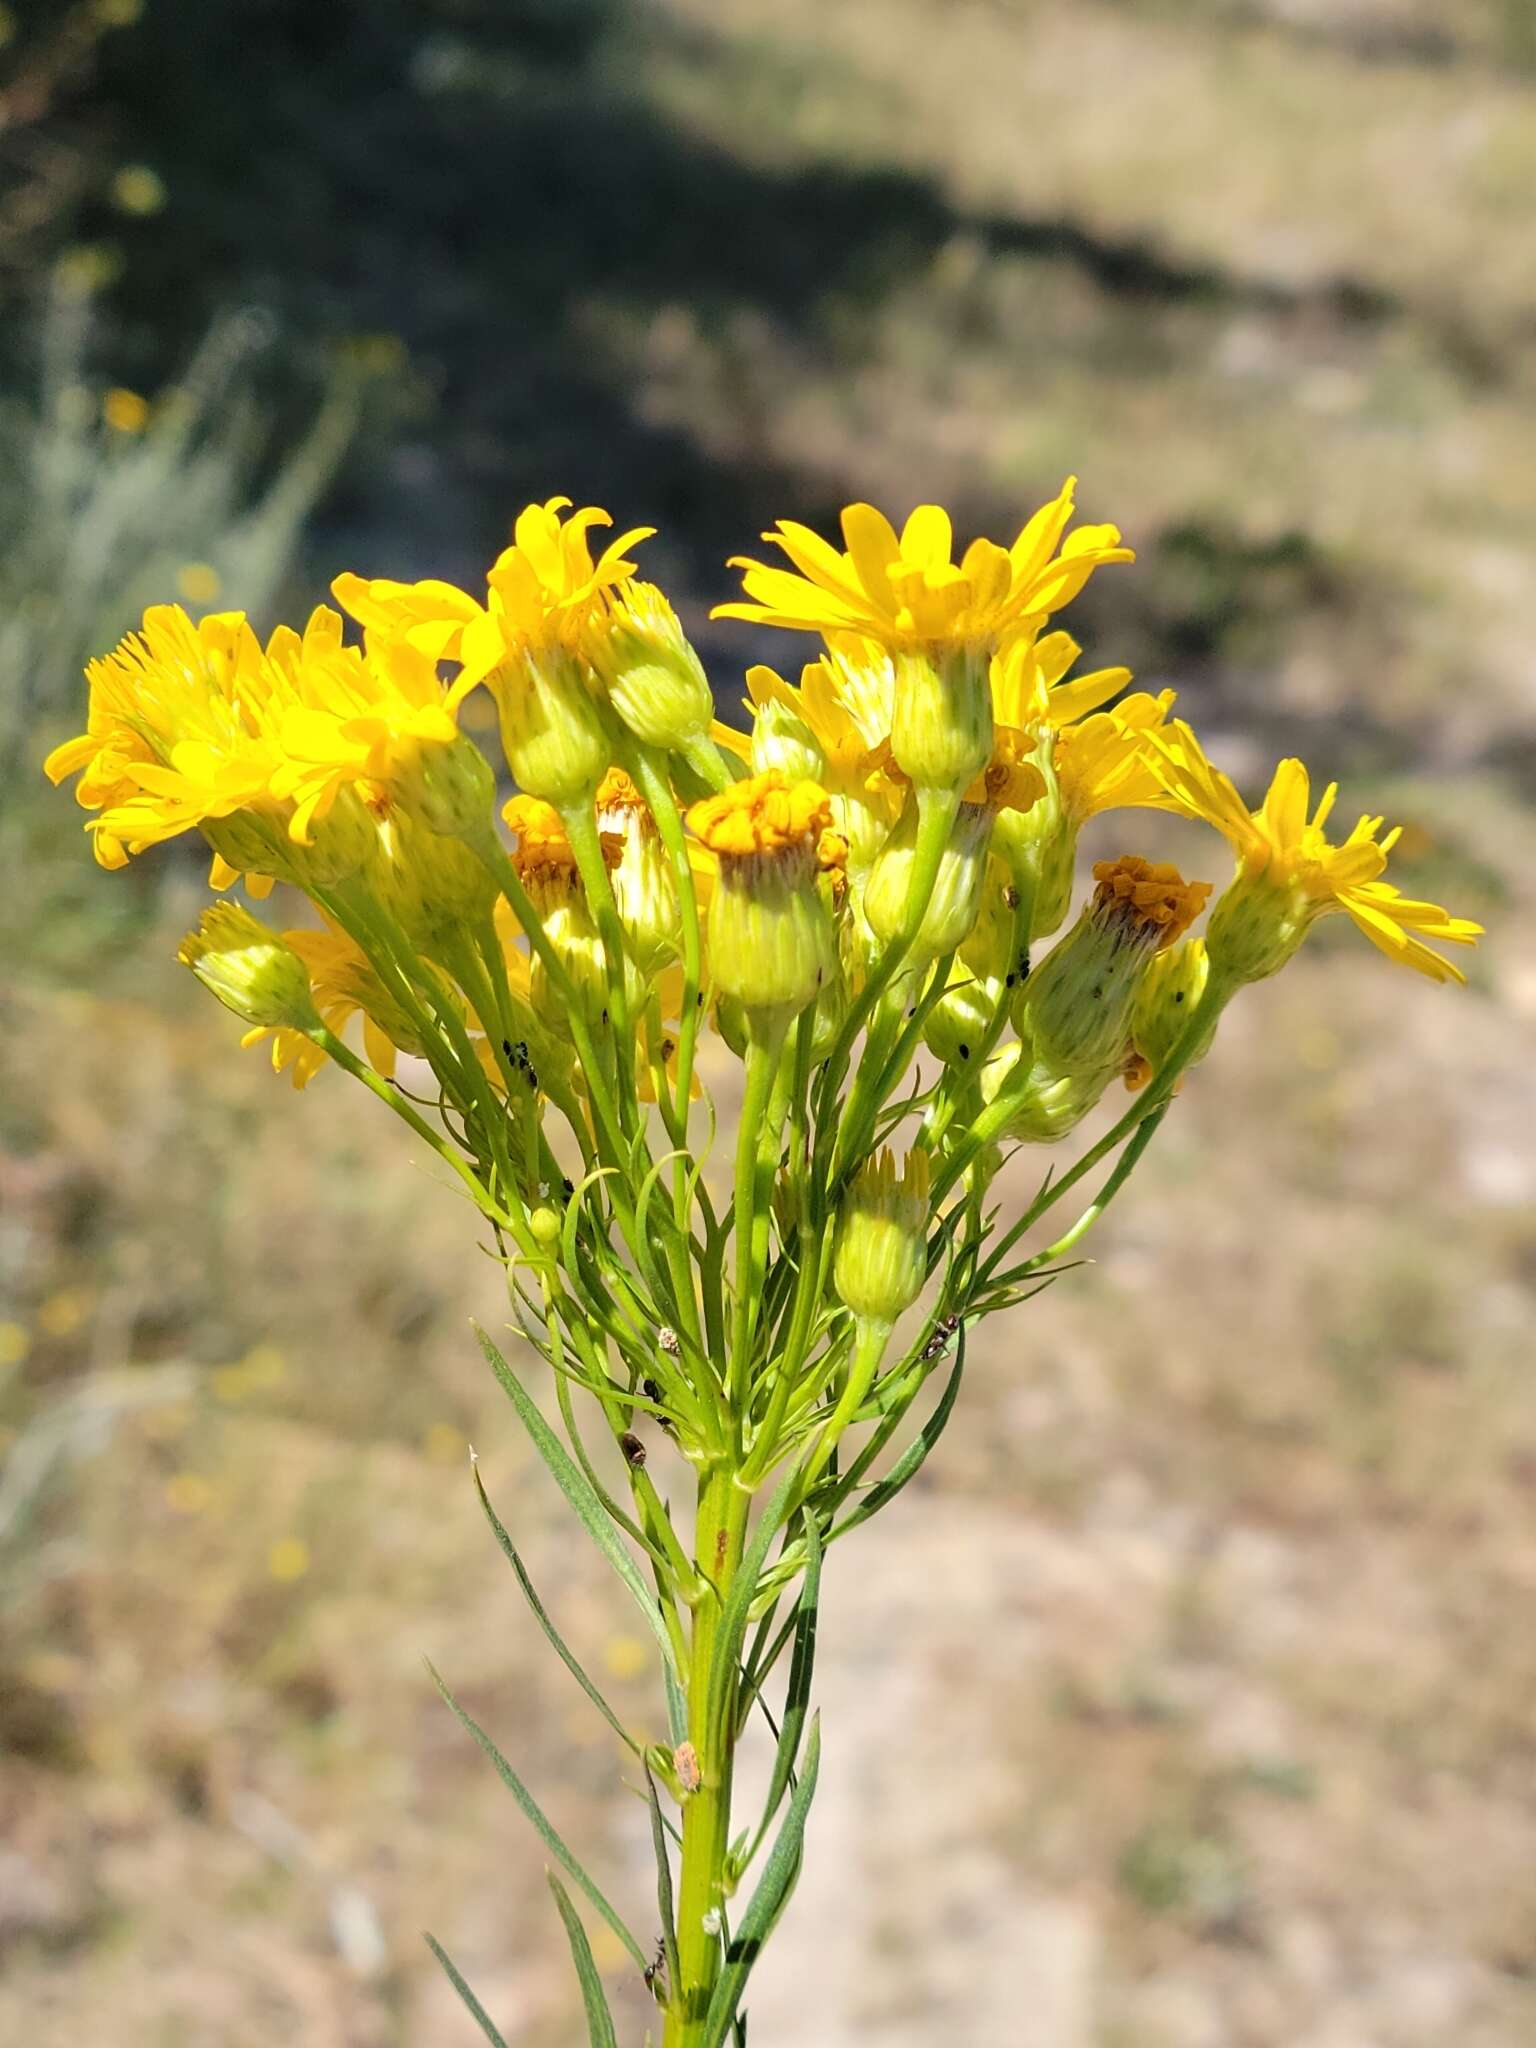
[858, 895]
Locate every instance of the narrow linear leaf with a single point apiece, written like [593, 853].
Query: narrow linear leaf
[677, 1705]
[509, 1551]
[663, 1885]
[907, 1465]
[767, 1903]
[581, 1494]
[797, 1696]
[477, 2011]
[600, 2032]
[541, 1823]
[733, 1615]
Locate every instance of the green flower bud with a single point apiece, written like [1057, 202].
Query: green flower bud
[941, 722]
[251, 969]
[654, 679]
[644, 889]
[882, 1237]
[956, 898]
[1256, 925]
[551, 729]
[782, 741]
[450, 789]
[1171, 988]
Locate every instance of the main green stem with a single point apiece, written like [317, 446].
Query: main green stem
[720, 1534]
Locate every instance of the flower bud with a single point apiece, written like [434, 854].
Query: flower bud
[433, 887]
[251, 969]
[551, 729]
[882, 1237]
[654, 679]
[1040, 847]
[449, 788]
[545, 1226]
[546, 867]
[941, 722]
[1172, 986]
[644, 890]
[1051, 1105]
[983, 971]
[770, 932]
[1075, 1009]
[784, 742]
[956, 898]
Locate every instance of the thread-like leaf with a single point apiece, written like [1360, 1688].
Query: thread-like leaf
[663, 1885]
[767, 1901]
[884, 1491]
[600, 2032]
[509, 1551]
[797, 1697]
[477, 2011]
[540, 1822]
[581, 1494]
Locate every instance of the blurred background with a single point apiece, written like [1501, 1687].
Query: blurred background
[1190, 1701]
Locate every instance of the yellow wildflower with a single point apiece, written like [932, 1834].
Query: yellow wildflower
[126, 412]
[1030, 687]
[906, 593]
[834, 728]
[1074, 1012]
[770, 937]
[1289, 874]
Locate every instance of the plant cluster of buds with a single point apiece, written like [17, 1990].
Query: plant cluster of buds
[864, 894]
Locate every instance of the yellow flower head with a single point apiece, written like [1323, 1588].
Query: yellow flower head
[546, 590]
[1105, 762]
[834, 728]
[178, 732]
[1074, 1011]
[529, 642]
[375, 721]
[1145, 896]
[770, 935]
[766, 814]
[1030, 687]
[905, 592]
[1289, 873]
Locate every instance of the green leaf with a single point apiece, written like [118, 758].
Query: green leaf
[476, 2009]
[581, 1494]
[542, 1825]
[767, 1903]
[885, 1490]
[509, 1551]
[600, 2032]
[797, 1696]
[663, 1885]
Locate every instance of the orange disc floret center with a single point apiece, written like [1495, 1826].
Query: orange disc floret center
[766, 814]
[544, 853]
[1149, 896]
